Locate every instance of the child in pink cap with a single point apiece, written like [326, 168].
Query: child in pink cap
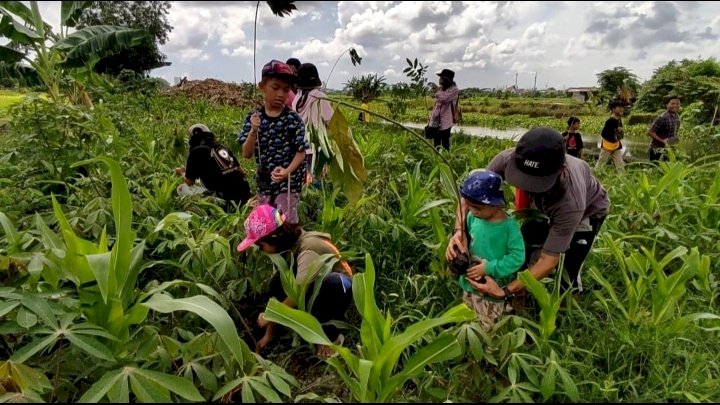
[267, 228]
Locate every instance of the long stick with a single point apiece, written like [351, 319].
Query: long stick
[257, 8]
[388, 119]
[333, 68]
[717, 104]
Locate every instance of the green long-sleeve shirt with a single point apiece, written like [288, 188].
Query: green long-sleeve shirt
[500, 243]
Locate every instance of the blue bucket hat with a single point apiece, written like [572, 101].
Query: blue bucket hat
[483, 187]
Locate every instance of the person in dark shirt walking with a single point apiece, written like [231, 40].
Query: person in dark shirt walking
[610, 146]
[664, 130]
[573, 139]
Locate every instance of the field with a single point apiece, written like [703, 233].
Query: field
[8, 99]
[162, 315]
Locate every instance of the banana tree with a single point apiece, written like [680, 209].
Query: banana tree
[54, 55]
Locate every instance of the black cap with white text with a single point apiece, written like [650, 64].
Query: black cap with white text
[539, 155]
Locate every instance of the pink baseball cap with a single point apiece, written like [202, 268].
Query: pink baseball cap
[262, 221]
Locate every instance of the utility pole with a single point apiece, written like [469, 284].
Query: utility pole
[516, 76]
[535, 84]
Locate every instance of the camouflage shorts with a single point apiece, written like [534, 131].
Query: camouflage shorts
[487, 312]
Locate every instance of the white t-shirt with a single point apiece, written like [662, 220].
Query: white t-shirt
[314, 111]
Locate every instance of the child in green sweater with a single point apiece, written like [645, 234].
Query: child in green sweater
[495, 242]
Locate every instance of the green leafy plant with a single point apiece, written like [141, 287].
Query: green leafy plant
[417, 73]
[370, 375]
[369, 86]
[77, 50]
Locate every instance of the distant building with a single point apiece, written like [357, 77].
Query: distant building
[580, 93]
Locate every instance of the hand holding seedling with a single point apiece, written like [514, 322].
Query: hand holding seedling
[457, 241]
[180, 170]
[279, 174]
[477, 271]
[255, 122]
[490, 287]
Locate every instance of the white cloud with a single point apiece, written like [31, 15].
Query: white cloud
[485, 42]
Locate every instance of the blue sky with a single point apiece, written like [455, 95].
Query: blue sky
[486, 43]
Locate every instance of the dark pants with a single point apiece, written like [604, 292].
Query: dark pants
[575, 256]
[442, 138]
[331, 303]
[655, 154]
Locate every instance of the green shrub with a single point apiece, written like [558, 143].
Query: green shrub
[641, 118]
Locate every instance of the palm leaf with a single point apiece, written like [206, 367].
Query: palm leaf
[282, 8]
[96, 42]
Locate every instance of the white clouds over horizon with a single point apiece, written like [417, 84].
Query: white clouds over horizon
[486, 43]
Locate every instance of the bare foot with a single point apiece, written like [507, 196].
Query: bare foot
[261, 320]
[263, 343]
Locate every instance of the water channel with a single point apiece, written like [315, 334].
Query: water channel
[633, 149]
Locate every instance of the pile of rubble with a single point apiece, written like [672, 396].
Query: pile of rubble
[217, 92]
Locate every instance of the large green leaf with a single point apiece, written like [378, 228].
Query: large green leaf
[445, 347]
[6, 307]
[536, 289]
[41, 308]
[49, 238]
[127, 289]
[76, 247]
[301, 322]
[19, 9]
[95, 42]
[391, 350]
[70, 11]
[121, 255]
[101, 388]
[147, 390]
[29, 350]
[91, 346]
[16, 31]
[27, 378]
[178, 385]
[211, 312]
[8, 226]
[348, 166]
[100, 266]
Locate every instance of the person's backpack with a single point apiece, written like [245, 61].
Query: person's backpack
[456, 112]
[223, 158]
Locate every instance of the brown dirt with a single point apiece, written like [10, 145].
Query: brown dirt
[217, 92]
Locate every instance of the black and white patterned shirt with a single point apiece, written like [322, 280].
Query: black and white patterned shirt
[279, 139]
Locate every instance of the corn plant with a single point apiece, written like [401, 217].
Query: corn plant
[549, 303]
[416, 200]
[652, 295]
[370, 375]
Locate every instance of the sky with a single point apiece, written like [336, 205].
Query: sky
[486, 43]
